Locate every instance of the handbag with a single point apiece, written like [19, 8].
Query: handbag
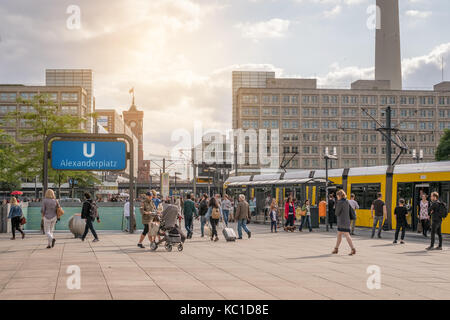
[208, 230]
[59, 210]
[23, 220]
[351, 212]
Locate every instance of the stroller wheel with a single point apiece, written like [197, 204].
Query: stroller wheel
[153, 246]
[180, 247]
[168, 247]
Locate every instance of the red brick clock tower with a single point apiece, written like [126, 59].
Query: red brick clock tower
[134, 119]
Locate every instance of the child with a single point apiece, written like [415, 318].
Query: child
[400, 213]
[273, 216]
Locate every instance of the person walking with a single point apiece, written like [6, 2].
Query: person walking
[424, 206]
[400, 213]
[307, 217]
[289, 214]
[273, 214]
[202, 210]
[126, 214]
[354, 204]
[226, 207]
[380, 214]
[89, 213]
[242, 215]
[189, 211]
[343, 222]
[436, 213]
[331, 210]
[15, 214]
[48, 211]
[147, 209]
[213, 215]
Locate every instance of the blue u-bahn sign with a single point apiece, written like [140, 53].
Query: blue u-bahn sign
[88, 155]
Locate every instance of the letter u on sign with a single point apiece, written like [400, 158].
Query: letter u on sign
[85, 152]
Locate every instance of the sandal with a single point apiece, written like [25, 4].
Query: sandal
[335, 251]
[353, 252]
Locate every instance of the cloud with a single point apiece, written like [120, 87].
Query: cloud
[273, 28]
[418, 14]
[333, 12]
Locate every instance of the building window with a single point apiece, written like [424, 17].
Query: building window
[275, 98]
[275, 111]
[274, 124]
[69, 96]
[245, 98]
[8, 96]
[325, 99]
[27, 95]
[266, 111]
[266, 99]
[7, 109]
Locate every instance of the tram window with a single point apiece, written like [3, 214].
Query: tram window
[365, 194]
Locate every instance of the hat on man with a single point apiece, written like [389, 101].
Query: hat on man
[149, 193]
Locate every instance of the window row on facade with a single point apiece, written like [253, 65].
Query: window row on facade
[344, 99]
[334, 125]
[52, 96]
[344, 112]
[74, 110]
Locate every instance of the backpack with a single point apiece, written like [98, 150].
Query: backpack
[443, 210]
[351, 212]
[215, 214]
[93, 212]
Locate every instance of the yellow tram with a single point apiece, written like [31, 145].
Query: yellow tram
[395, 182]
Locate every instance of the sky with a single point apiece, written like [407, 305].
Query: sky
[179, 54]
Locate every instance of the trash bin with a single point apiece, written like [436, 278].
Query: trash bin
[77, 225]
[314, 217]
[3, 218]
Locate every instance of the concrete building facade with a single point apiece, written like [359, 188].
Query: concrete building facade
[310, 119]
[70, 100]
[73, 77]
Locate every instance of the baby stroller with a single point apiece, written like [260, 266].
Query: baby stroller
[168, 230]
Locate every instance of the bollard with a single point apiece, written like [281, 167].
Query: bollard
[77, 225]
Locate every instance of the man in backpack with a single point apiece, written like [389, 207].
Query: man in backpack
[202, 210]
[89, 213]
[436, 212]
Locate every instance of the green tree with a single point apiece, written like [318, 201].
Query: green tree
[42, 118]
[9, 178]
[443, 149]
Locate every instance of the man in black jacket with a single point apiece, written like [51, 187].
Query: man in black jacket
[436, 221]
[89, 213]
[202, 210]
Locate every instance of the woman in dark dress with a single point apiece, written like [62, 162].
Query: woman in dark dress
[343, 221]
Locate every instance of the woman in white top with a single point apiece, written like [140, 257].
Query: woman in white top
[424, 205]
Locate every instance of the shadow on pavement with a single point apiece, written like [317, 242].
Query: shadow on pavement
[312, 257]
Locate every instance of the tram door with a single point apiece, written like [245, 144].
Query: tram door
[418, 190]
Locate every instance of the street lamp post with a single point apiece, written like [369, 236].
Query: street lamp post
[328, 157]
[176, 180]
[416, 156]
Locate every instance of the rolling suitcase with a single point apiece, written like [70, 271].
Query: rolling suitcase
[229, 234]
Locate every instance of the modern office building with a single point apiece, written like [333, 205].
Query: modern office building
[71, 100]
[73, 77]
[310, 119]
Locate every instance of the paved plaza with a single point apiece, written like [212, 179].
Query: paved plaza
[268, 266]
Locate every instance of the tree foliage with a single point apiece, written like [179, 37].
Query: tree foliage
[42, 118]
[9, 178]
[443, 149]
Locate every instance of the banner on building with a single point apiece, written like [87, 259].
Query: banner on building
[165, 187]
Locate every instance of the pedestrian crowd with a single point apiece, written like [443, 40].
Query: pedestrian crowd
[216, 212]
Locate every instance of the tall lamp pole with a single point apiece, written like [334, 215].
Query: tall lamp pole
[328, 157]
[416, 156]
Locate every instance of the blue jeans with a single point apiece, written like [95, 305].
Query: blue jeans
[273, 225]
[202, 225]
[242, 224]
[308, 220]
[187, 224]
[226, 213]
